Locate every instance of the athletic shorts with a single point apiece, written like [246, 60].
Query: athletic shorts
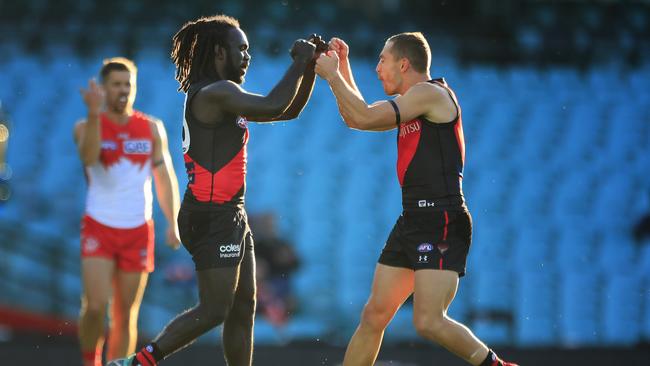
[131, 249]
[215, 238]
[429, 240]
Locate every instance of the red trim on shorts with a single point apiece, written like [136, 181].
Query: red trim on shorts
[440, 263]
[444, 232]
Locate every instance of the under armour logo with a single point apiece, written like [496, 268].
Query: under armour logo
[423, 258]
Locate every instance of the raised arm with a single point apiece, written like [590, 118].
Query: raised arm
[343, 52]
[227, 96]
[422, 99]
[306, 84]
[87, 133]
[300, 100]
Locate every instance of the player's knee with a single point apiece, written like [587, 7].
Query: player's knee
[212, 316]
[430, 326]
[375, 316]
[243, 311]
[94, 308]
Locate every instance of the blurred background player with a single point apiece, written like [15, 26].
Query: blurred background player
[211, 57]
[121, 149]
[427, 249]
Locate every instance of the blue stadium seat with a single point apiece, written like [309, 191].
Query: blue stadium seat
[623, 297]
[618, 253]
[492, 290]
[491, 246]
[580, 321]
[577, 247]
[536, 308]
[535, 247]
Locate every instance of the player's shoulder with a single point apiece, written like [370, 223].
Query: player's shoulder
[429, 87]
[146, 117]
[431, 91]
[79, 122]
[221, 88]
[153, 121]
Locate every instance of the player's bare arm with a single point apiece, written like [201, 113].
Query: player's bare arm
[343, 52]
[306, 85]
[422, 99]
[165, 181]
[87, 132]
[228, 97]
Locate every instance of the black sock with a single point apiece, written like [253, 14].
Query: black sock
[491, 359]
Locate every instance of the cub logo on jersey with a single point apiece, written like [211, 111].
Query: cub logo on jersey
[137, 147]
[242, 123]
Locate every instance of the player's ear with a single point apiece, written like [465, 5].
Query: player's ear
[219, 52]
[404, 64]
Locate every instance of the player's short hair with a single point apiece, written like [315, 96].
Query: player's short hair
[193, 47]
[414, 47]
[117, 64]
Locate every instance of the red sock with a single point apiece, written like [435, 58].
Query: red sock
[94, 357]
[145, 357]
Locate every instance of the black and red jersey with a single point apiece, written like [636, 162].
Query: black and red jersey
[430, 160]
[215, 158]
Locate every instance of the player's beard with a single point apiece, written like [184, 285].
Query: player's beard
[233, 73]
[118, 106]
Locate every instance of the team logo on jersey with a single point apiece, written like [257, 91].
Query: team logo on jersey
[90, 244]
[425, 203]
[109, 145]
[425, 247]
[242, 122]
[409, 128]
[137, 147]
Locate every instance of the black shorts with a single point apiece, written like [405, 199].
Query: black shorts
[429, 240]
[215, 238]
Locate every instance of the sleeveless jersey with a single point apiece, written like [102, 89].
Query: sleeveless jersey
[215, 158]
[119, 184]
[430, 160]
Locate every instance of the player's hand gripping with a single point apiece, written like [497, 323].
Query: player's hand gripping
[302, 50]
[327, 65]
[321, 46]
[340, 47]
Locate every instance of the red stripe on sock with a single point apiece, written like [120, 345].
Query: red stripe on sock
[145, 358]
[88, 355]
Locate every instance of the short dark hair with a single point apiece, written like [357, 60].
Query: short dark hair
[117, 64]
[414, 47]
[193, 47]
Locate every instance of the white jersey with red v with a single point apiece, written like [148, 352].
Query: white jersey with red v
[119, 184]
